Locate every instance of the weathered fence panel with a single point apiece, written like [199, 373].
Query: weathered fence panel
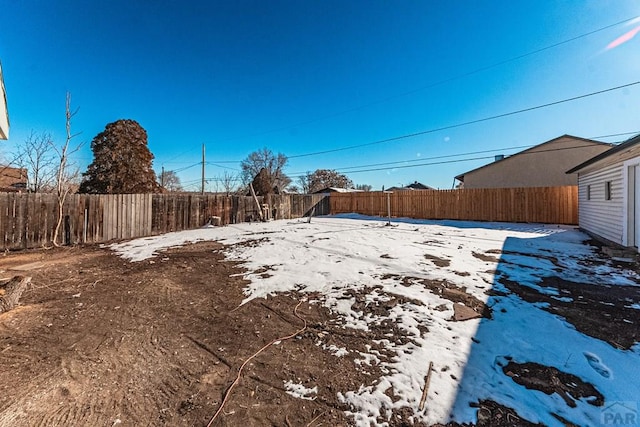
[29, 220]
[549, 205]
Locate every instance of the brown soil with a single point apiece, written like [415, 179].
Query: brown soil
[100, 341]
[437, 261]
[446, 290]
[104, 342]
[551, 380]
[600, 311]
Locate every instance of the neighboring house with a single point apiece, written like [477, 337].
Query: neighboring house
[337, 190]
[415, 186]
[541, 166]
[609, 194]
[13, 179]
[4, 113]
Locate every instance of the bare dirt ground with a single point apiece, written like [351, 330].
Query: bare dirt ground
[100, 341]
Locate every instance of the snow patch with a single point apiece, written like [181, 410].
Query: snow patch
[342, 256]
[300, 391]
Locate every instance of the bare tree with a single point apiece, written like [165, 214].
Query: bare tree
[363, 187]
[215, 185]
[228, 181]
[169, 181]
[273, 165]
[66, 173]
[323, 178]
[293, 189]
[37, 155]
[305, 182]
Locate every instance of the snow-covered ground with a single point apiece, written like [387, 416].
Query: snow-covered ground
[333, 255]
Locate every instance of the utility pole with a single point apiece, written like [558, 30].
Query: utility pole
[203, 169]
[162, 178]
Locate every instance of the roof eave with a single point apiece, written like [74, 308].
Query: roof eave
[615, 149]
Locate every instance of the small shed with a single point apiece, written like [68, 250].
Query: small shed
[609, 194]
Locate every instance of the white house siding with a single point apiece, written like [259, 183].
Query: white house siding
[598, 215]
[4, 116]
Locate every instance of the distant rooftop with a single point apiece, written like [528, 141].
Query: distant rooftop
[337, 190]
[415, 186]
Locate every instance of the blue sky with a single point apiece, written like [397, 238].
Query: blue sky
[301, 77]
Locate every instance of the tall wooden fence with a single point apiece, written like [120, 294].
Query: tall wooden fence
[550, 205]
[29, 220]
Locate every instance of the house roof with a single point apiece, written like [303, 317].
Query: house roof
[415, 186]
[12, 178]
[618, 149]
[529, 151]
[419, 186]
[337, 190]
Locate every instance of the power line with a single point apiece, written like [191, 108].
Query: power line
[298, 175]
[615, 134]
[436, 157]
[441, 82]
[403, 165]
[211, 179]
[347, 168]
[178, 156]
[435, 84]
[223, 167]
[460, 160]
[187, 167]
[485, 119]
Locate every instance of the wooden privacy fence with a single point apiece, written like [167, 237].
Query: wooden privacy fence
[29, 220]
[549, 205]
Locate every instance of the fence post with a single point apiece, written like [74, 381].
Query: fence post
[86, 223]
[67, 230]
[389, 207]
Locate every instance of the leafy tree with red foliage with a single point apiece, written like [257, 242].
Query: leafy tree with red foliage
[122, 161]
